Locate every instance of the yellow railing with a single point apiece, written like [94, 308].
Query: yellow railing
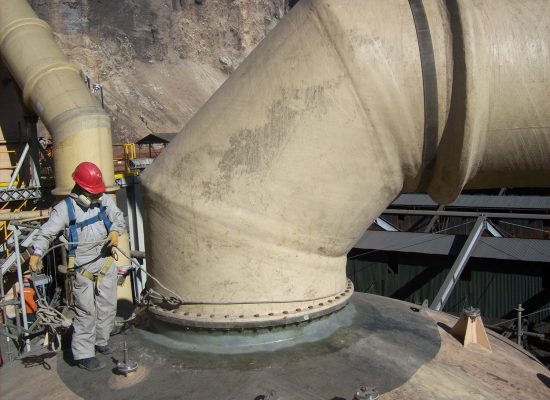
[4, 231]
[123, 153]
[8, 167]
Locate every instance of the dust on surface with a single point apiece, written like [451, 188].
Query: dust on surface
[157, 60]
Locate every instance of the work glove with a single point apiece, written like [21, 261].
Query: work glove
[113, 237]
[35, 264]
[122, 274]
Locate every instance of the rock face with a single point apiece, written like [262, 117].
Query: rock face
[158, 61]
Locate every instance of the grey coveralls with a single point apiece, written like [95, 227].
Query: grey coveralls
[95, 311]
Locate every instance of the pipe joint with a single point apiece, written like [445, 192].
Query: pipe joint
[40, 72]
[23, 22]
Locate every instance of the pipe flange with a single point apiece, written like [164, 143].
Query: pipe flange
[199, 316]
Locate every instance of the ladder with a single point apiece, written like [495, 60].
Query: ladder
[26, 237]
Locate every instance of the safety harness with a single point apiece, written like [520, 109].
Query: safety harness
[73, 240]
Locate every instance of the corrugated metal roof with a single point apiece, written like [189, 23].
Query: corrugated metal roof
[487, 247]
[155, 138]
[477, 201]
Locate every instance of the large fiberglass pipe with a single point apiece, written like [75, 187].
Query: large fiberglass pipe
[54, 89]
[251, 210]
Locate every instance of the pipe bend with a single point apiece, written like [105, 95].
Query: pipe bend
[54, 88]
[309, 143]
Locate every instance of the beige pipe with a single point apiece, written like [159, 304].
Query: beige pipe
[498, 131]
[251, 210]
[24, 215]
[54, 89]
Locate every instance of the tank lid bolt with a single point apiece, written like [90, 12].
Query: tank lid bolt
[366, 393]
[471, 312]
[125, 367]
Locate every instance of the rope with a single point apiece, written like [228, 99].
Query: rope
[177, 298]
[49, 316]
[55, 320]
[46, 314]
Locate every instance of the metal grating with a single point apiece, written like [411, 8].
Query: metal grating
[16, 194]
[477, 201]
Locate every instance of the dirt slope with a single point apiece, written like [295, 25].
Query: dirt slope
[158, 61]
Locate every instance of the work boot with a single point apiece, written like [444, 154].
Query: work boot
[91, 364]
[105, 349]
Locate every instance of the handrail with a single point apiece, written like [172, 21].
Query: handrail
[128, 153]
[8, 167]
[6, 233]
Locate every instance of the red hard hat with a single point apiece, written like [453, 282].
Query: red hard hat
[88, 176]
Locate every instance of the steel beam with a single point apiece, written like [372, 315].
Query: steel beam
[34, 152]
[18, 166]
[456, 270]
[466, 214]
[433, 220]
[139, 225]
[382, 223]
[493, 230]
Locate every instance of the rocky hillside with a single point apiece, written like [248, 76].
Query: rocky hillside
[158, 61]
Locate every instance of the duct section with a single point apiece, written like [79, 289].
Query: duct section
[54, 89]
[498, 133]
[253, 207]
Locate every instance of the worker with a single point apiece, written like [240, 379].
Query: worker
[93, 223]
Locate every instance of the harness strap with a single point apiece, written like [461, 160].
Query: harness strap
[103, 215]
[74, 226]
[88, 221]
[73, 233]
[97, 279]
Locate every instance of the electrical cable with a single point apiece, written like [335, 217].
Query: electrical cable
[525, 227]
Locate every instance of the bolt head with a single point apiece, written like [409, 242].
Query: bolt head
[366, 393]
